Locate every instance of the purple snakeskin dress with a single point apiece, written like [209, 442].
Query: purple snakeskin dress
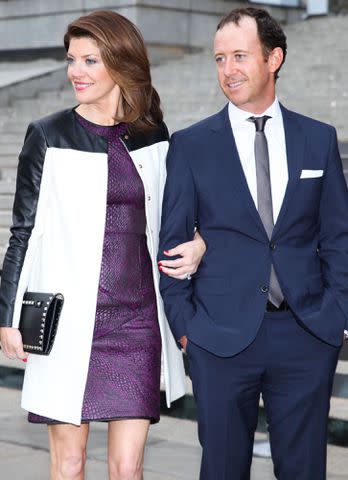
[124, 370]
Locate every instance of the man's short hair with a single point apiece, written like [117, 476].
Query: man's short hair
[270, 33]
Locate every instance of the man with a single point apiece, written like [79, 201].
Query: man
[267, 309]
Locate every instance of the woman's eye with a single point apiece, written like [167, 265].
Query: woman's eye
[69, 60]
[90, 61]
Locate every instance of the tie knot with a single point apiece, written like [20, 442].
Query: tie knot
[259, 122]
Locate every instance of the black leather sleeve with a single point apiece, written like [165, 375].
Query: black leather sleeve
[30, 165]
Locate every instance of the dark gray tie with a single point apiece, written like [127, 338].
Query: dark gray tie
[264, 197]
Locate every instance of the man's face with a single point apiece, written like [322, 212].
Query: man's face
[245, 75]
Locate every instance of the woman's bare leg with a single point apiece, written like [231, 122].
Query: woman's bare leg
[68, 451]
[126, 446]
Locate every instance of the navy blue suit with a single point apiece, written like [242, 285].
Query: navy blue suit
[222, 309]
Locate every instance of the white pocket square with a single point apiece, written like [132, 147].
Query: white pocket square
[312, 173]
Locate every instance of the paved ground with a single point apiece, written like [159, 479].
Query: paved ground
[172, 452]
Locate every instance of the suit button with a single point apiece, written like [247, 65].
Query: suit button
[140, 165]
[272, 246]
[148, 198]
[264, 288]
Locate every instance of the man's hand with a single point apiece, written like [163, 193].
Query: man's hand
[183, 342]
[11, 343]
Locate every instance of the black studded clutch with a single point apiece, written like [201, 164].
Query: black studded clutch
[39, 321]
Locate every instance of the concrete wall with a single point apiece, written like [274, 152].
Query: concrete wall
[32, 24]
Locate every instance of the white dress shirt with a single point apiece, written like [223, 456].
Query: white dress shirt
[244, 134]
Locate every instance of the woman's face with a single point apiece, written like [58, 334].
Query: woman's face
[86, 71]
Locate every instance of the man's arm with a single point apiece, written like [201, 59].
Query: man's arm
[179, 215]
[333, 222]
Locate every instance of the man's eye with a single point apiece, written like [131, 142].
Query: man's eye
[219, 59]
[239, 57]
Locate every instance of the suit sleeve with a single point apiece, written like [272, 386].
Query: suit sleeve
[30, 165]
[333, 234]
[179, 214]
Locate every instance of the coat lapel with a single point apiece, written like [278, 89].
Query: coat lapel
[295, 148]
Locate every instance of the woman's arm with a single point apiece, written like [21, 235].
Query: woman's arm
[191, 254]
[29, 174]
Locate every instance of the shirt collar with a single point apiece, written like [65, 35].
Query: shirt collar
[238, 116]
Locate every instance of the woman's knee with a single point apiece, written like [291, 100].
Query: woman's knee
[125, 469]
[68, 451]
[69, 465]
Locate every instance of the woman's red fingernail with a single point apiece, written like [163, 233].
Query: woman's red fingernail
[24, 360]
[160, 268]
[166, 252]
[159, 263]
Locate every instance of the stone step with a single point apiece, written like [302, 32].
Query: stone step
[9, 174]
[6, 202]
[7, 187]
[8, 148]
[8, 112]
[15, 146]
[2, 254]
[175, 109]
[29, 114]
[16, 128]
[9, 160]
[5, 218]
[55, 98]
[4, 237]
[49, 96]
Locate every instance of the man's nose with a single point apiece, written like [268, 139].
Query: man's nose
[229, 67]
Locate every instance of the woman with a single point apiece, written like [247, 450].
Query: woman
[86, 219]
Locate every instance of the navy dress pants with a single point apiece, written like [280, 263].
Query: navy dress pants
[293, 371]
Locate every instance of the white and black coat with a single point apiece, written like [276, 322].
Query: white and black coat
[56, 246]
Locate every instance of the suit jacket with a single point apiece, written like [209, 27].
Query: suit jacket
[222, 307]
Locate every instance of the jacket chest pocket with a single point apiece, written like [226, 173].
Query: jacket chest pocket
[308, 193]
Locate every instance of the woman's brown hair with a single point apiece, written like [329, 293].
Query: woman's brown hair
[125, 57]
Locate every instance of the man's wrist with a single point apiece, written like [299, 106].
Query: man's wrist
[345, 332]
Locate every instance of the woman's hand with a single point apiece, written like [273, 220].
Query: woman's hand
[191, 254]
[11, 343]
[183, 342]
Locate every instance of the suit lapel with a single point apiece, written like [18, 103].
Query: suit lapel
[229, 157]
[295, 148]
[228, 154]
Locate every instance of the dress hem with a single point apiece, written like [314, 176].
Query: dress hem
[48, 421]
